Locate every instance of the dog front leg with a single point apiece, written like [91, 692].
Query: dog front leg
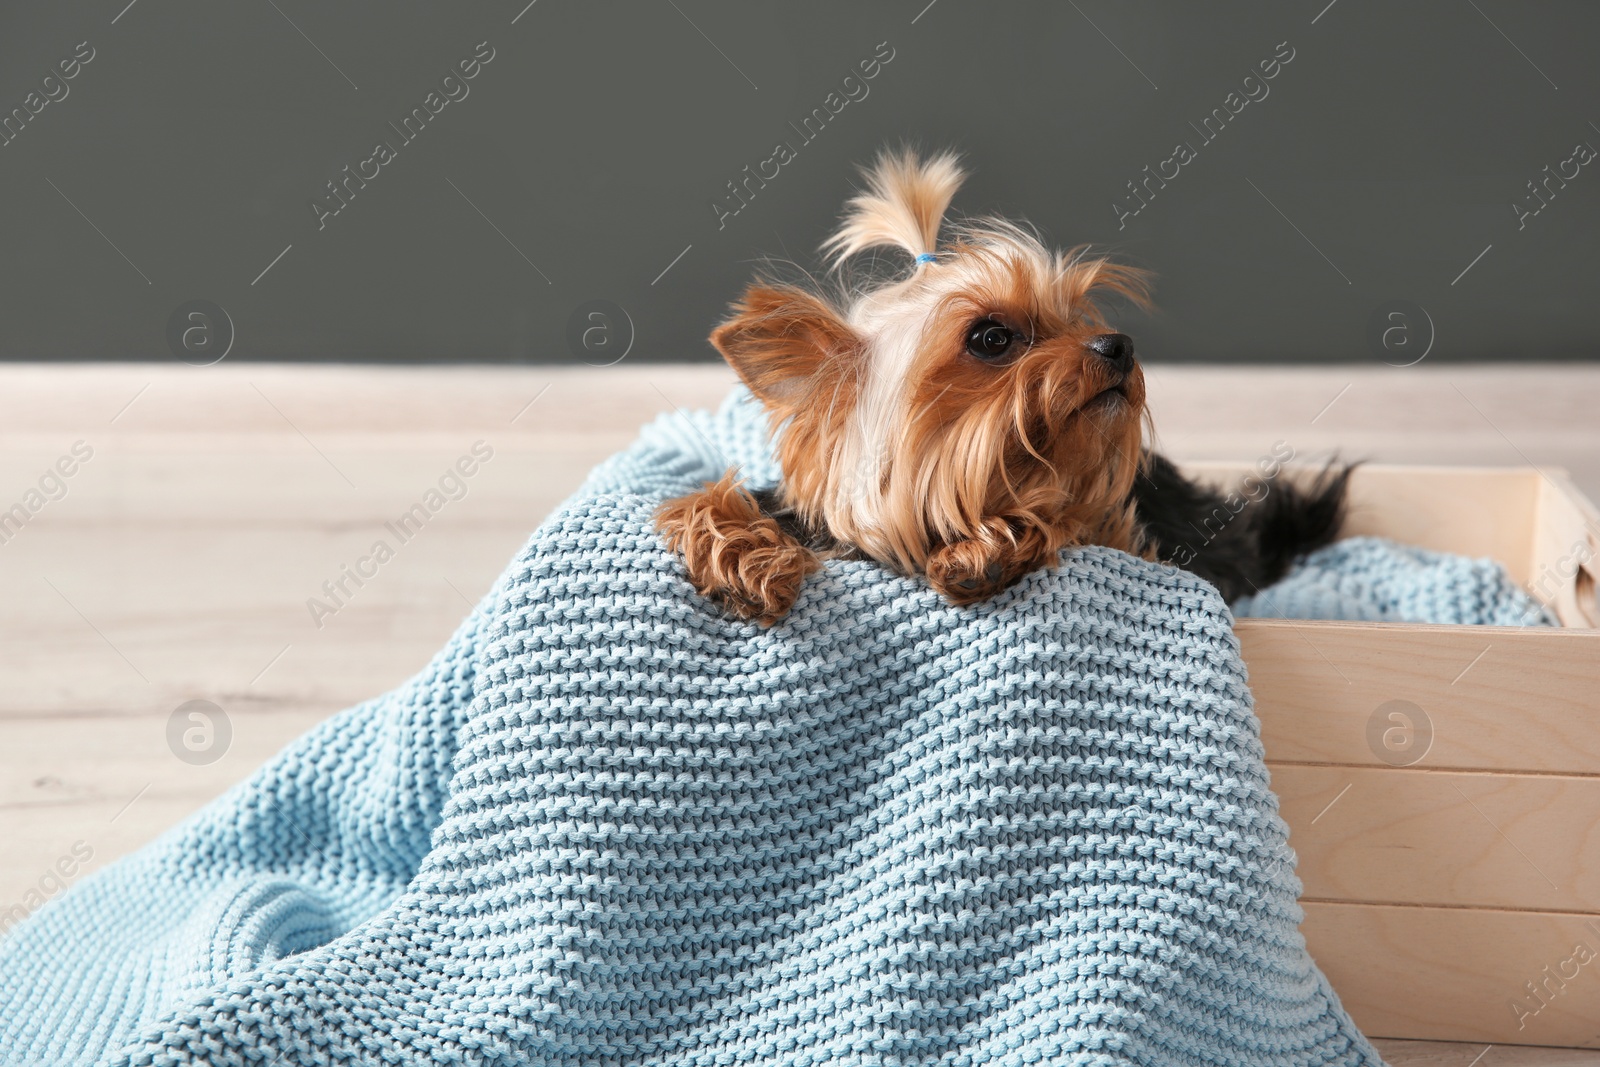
[735, 554]
[976, 568]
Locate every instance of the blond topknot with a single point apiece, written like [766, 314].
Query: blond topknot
[902, 207]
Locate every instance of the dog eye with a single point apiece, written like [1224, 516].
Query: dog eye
[989, 340]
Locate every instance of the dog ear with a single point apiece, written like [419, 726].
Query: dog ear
[779, 340]
[1083, 278]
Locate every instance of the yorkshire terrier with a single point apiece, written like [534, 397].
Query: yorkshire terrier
[965, 422]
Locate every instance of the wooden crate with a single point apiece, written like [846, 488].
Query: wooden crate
[1442, 783]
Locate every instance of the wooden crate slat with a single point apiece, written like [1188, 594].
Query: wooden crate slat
[1500, 699]
[1373, 835]
[1401, 1053]
[1462, 974]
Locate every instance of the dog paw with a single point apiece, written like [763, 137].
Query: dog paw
[762, 580]
[966, 572]
[736, 555]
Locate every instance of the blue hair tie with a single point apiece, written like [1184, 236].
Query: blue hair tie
[925, 257]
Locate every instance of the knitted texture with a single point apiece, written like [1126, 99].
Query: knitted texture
[1370, 579]
[609, 826]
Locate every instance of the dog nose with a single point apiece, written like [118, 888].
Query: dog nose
[1115, 348]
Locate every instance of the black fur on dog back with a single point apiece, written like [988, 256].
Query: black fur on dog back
[1238, 544]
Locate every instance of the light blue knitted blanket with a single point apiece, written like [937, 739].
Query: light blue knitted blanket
[1370, 579]
[608, 826]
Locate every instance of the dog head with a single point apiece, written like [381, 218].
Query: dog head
[979, 398]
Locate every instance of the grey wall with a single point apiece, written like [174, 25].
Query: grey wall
[1384, 160]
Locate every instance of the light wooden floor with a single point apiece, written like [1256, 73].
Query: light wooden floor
[178, 563]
